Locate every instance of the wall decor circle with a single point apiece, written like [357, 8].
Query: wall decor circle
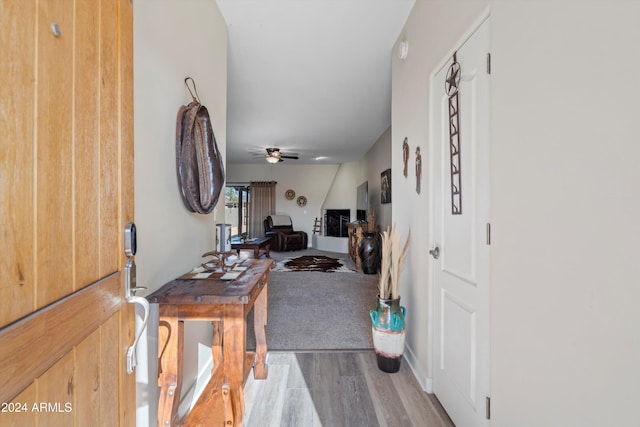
[302, 201]
[289, 194]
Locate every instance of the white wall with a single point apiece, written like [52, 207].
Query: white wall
[325, 186]
[433, 28]
[311, 181]
[376, 161]
[342, 194]
[172, 40]
[565, 203]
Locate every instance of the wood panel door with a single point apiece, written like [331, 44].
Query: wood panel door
[66, 193]
[461, 265]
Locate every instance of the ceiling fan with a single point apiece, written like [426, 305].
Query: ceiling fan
[274, 155]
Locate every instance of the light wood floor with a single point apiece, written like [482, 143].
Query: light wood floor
[334, 389]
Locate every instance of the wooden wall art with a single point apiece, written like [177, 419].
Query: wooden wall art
[451, 86]
[405, 156]
[418, 169]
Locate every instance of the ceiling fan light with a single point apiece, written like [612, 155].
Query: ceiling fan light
[271, 159]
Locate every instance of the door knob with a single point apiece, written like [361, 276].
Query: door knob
[435, 252]
[130, 289]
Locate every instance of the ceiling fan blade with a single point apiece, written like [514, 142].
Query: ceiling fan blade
[289, 157]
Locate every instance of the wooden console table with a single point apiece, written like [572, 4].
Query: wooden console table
[226, 304]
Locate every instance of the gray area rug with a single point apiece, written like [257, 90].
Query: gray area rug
[311, 311]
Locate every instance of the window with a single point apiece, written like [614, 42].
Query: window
[236, 201]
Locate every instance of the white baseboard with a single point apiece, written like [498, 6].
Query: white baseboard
[421, 376]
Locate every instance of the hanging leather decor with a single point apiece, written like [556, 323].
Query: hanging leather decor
[199, 165]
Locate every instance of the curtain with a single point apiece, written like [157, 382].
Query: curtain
[262, 203]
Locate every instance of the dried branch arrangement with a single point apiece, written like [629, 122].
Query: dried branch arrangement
[393, 255]
[371, 220]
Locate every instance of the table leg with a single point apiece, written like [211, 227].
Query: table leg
[234, 350]
[216, 347]
[256, 252]
[259, 325]
[170, 345]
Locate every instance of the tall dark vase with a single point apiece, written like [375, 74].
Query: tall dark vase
[369, 250]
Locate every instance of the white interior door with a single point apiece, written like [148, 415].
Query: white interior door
[461, 268]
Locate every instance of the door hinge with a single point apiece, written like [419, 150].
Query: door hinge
[488, 233]
[488, 63]
[488, 407]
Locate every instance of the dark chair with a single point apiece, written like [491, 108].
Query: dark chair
[283, 237]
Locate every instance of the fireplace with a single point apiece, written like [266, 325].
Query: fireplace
[335, 222]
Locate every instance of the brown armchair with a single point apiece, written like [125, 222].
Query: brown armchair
[283, 237]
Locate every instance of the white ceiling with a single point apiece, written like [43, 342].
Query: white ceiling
[309, 76]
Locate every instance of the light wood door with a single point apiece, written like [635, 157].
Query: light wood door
[66, 193]
[461, 268]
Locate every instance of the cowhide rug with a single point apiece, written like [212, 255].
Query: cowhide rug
[312, 263]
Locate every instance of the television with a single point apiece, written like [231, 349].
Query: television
[362, 201]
